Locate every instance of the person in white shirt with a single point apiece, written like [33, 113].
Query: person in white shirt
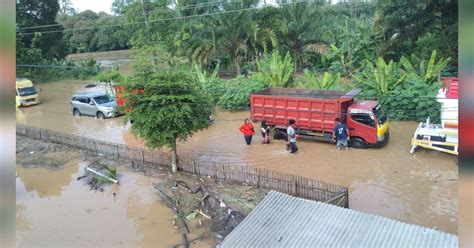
[292, 136]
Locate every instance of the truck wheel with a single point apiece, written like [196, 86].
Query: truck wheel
[358, 143]
[100, 116]
[280, 135]
[76, 112]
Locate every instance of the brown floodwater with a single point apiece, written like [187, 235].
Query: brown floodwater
[55, 209]
[420, 188]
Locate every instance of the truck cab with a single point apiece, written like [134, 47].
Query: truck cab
[367, 126]
[25, 93]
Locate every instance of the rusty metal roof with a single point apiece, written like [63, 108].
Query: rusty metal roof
[280, 220]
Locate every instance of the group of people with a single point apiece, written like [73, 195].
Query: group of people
[340, 134]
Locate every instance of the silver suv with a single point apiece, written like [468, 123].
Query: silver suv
[99, 105]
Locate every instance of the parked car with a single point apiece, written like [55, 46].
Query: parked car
[99, 105]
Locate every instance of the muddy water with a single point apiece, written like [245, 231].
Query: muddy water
[418, 188]
[54, 209]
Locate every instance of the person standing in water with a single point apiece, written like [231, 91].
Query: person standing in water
[265, 132]
[247, 130]
[340, 134]
[292, 136]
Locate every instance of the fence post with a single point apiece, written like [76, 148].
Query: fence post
[296, 187]
[215, 170]
[347, 198]
[143, 157]
[258, 178]
[194, 167]
[223, 171]
[118, 153]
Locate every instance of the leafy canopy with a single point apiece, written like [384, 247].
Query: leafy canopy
[171, 107]
[275, 70]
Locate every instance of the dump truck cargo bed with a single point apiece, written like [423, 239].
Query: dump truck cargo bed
[313, 110]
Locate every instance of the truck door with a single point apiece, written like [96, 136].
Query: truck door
[363, 126]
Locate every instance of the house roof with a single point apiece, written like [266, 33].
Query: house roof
[280, 220]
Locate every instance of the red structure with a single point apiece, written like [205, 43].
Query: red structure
[315, 113]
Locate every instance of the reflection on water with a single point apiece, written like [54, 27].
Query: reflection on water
[389, 181]
[65, 213]
[42, 182]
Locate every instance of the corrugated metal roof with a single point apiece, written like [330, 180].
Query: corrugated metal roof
[280, 220]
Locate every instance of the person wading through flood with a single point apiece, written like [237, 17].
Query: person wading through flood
[265, 132]
[247, 130]
[292, 136]
[340, 134]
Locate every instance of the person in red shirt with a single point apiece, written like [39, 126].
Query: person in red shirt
[248, 130]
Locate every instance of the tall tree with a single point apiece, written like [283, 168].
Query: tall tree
[32, 13]
[170, 108]
[402, 23]
[299, 29]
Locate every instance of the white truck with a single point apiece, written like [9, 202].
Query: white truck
[441, 137]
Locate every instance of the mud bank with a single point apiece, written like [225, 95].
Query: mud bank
[56, 209]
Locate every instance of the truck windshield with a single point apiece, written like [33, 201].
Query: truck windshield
[27, 91]
[378, 113]
[102, 99]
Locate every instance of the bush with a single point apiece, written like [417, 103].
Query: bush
[381, 77]
[275, 70]
[211, 84]
[326, 81]
[237, 93]
[60, 69]
[412, 100]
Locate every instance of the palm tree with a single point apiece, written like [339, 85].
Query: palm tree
[299, 29]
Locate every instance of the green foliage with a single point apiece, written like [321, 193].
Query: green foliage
[110, 77]
[381, 77]
[47, 70]
[172, 107]
[39, 13]
[107, 170]
[238, 90]
[112, 36]
[211, 84]
[426, 71]
[412, 100]
[275, 70]
[406, 27]
[327, 81]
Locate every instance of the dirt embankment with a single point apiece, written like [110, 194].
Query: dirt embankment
[204, 211]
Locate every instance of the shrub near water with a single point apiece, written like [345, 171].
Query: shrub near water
[412, 100]
[237, 94]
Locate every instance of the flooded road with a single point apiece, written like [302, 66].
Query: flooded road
[420, 188]
[62, 211]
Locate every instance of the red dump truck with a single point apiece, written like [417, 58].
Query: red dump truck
[315, 113]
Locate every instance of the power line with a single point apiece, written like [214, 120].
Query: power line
[199, 5]
[156, 20]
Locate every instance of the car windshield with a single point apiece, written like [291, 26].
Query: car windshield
[378, 113]
[102, 99]
[27, 91]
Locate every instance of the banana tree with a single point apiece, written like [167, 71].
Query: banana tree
[381, 77]
[429, 72]
[275, 69]
[327, 81]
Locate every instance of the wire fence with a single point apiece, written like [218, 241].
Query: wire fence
[287, 183]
